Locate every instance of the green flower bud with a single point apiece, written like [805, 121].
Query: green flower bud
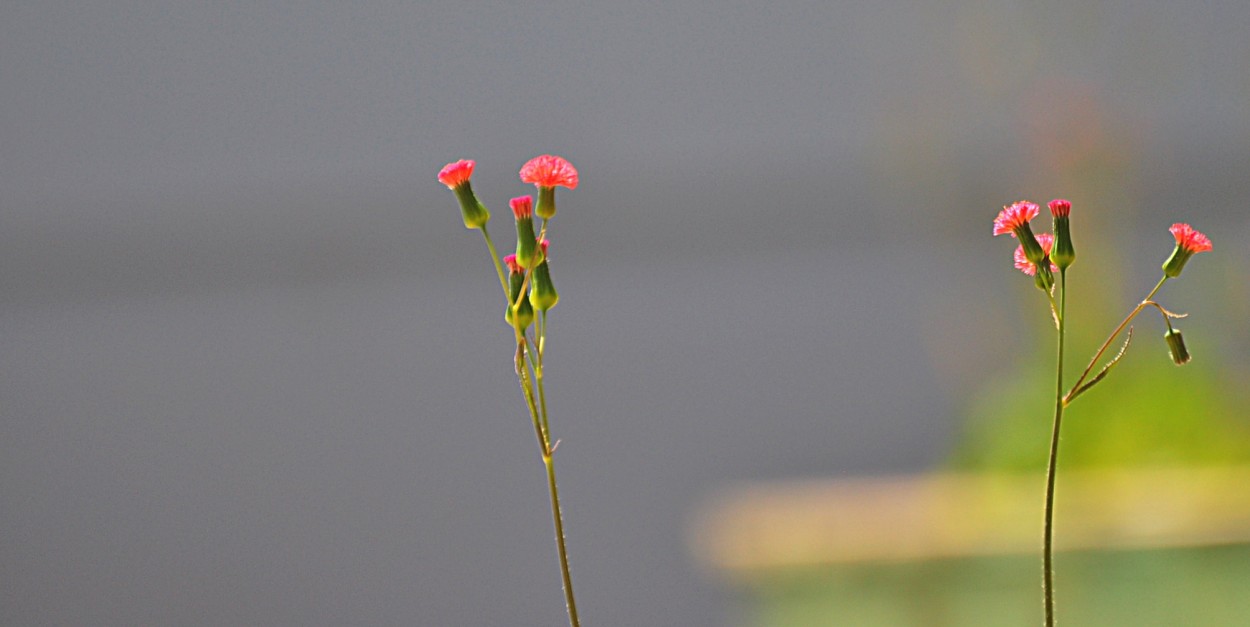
[519, 315]
[1063, 253]
[543, 293]
[1176, 346]
[528, 254]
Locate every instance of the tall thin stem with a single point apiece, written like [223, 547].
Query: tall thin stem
[494, 256]
[1048, 576]
[558, 519]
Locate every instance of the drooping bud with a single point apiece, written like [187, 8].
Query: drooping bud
[1176, 346]
[528, 254]
[1063, 254]
[1189, 242]
[517, 314]
[543, 293]
[455, 176]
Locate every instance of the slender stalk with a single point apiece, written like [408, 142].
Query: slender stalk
[494, 256]
[538, 413]
[1111, 338]
[558, 519]
[1048, 576]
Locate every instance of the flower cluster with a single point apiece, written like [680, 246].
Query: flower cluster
[529, 295]
[528, 266]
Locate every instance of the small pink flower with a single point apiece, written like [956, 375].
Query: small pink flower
[1015, 216]
[1060, 208]
[1189, 239]
[1046, 240]
[549, 171]
[513, 266]
[455, 174]
[544, 243]
[522, 207]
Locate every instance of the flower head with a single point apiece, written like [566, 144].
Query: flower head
[522, 207]
[549, 171]
[1188, 243]
[1189, 239]
[1028, 267]
[544, 244]
[455, 174]
[1015, 216]
[1059, 208]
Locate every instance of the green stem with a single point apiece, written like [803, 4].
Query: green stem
[558, 519]
[1048, 576]
[494, 256]
[1111, 338]
[539, 417]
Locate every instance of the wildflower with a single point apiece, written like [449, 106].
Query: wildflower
[528, 253]
[548, 172]
[1014, 220]
[1064, 254]
[1189, 242]
[543, 293]
[1046, 240]
[455, 176]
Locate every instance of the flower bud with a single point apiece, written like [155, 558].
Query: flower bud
[528, 254]
[542, 291]
[517, 314]
[1063, 254]
[1176, 346]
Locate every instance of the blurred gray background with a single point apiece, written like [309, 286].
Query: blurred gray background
[254, 370]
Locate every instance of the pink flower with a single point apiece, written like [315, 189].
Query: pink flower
[522, 207]
[544, 243]
[512, 265]
[1046, 240]
[1190, 240]
[549, 171]
[1060, 208]
[455, 174]
[1014, 217]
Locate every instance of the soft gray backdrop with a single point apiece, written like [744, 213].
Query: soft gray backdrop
[253, 367]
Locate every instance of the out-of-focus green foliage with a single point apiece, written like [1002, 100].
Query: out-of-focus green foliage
[1147, 412]
[1156, 588]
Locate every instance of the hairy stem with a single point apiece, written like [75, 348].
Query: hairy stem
[1048, 571]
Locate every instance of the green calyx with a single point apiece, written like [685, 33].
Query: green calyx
[474, 213]
[543, 293]
[1062, 254]
[1032, 249]
[519, 315]
[1173, 266]
[528, 253]
[546, 207]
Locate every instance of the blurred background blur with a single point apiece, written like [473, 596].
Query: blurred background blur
[254, 370]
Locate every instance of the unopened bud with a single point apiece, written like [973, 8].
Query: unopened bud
[528, 254]
[1176, 346]
[543, 293]
[1063, 253]
[517, 314]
